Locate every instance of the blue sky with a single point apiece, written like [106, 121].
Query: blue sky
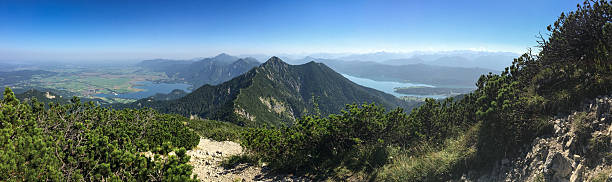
[130, 30]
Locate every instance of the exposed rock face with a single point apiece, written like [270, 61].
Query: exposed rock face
[579, 150]
[559, 167]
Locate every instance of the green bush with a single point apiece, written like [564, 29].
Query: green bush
[234, 160]
[216, 130]
[83, 142]
[357, 139]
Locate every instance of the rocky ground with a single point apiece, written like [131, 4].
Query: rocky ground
[563, 156]
[207, 157]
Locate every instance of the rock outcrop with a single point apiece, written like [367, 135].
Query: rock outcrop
[579, 150]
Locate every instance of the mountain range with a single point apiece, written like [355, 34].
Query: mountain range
[273, 94]
[461, 58]
[458, 58]
[412, 73]
[214, 70]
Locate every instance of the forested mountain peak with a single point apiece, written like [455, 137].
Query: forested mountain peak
[275, 93]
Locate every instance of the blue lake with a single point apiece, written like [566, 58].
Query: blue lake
[389, 86]
[149, 89]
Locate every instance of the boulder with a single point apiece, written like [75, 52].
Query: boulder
[577, 175]
[559, 167]
[570, 143]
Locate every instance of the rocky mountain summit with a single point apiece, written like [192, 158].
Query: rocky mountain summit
[579, 149]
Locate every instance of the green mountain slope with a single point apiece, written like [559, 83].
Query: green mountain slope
[274, 93]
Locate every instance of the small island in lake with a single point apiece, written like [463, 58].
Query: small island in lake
[422, 90]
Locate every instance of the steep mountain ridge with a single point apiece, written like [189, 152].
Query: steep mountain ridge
[274, 93]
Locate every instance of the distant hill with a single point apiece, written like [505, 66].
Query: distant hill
[460, 58]
[7, 66]
[164, 65]
[404, 61]
[275, 93]
[175, 94]
[212, 70]
[14, 77]
[413, 73]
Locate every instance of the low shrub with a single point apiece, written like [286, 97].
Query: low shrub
[235, 160]
[357, 139]
[83, 142]
[216, 130]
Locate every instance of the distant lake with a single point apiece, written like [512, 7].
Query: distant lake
[389, 86]
[149, 89]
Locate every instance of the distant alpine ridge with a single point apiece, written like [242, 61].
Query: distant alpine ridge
[214, 70]
[274, 93]
[442, 76]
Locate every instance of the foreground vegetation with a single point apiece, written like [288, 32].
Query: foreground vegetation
[443, 139]
[78, 141]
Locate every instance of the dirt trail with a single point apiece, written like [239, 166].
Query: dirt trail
[207, 156]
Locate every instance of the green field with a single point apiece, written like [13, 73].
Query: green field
[87, 82]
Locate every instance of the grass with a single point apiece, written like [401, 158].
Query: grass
[215, 130]
[234, 160]
[582, 128]
[539, 178]
[598, 148]
[602, 176]
[431, 163]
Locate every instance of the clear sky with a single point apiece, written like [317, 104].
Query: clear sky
[130, 30]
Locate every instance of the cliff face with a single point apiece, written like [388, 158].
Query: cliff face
[579, 150]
